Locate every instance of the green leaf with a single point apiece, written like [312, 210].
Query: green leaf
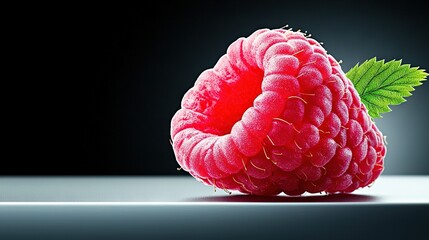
[381, 84]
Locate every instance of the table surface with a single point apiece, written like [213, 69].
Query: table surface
[395, 207]
[186, 190]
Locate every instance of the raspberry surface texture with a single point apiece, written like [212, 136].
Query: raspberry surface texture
[277, 114]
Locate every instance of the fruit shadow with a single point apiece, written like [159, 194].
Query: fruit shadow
[300, 199]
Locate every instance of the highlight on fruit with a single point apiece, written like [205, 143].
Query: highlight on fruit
[278, 114]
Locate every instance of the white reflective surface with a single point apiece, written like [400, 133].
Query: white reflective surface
[188, 191]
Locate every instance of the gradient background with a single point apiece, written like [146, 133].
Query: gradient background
[92, 89]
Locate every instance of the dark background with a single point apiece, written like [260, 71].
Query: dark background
[92, 89]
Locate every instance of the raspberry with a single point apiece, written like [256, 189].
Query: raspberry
[277, 114]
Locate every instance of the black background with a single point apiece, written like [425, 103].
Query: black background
[92, 89]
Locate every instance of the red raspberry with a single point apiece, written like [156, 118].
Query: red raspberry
[277, 114]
